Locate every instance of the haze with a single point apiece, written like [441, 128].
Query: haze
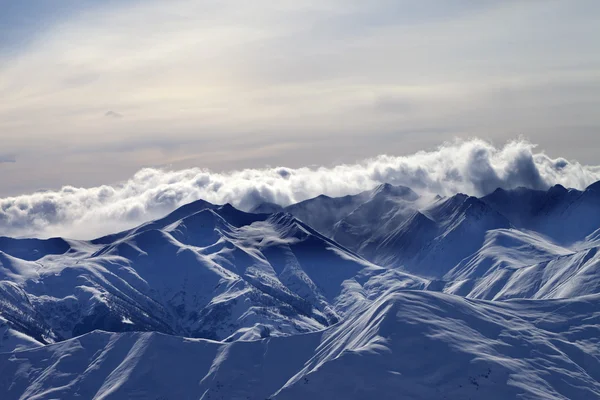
[92, 91]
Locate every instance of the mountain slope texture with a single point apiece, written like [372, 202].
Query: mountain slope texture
[386, 294]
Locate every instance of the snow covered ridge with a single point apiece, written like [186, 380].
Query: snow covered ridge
[383, 294]
[405, 345]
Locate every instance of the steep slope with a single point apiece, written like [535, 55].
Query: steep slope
[323, 212]
[421, 345]
[403, 345]
[565, 215]
[385, 206]
[182, 212]
[506, 248]
[102, 365]
[12, 339]
[202, 271]
[392, 226]
[280, 309]
[562, 276]
[431, 240]
[461, 224]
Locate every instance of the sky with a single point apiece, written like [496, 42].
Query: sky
[93, 93]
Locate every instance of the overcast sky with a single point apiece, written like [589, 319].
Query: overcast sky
[91, 91]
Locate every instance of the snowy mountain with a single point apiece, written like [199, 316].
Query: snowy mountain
[323, 212]
[525, 269]
[382, 294]
[437, 236]
[202, 271]
[393, 226]
[404, 345]
[564, 215]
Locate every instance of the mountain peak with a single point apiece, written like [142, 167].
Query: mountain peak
[557, 190]
[594, 187]
[174, 216]
[396, 191]
[324, 278]
[266, 208]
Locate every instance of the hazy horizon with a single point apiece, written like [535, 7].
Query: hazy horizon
[92, 92]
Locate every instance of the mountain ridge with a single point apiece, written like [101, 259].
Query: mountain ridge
[394, 289]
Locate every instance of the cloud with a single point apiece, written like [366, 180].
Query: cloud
[113, 114]
[473, 166]
[227, 68]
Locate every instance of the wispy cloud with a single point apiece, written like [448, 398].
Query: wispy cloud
[371, 72]
[113, 114]
[474, 167]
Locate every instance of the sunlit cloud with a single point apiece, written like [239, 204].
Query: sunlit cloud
[233, 84]
[474, 167]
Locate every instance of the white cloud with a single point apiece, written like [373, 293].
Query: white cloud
[113, 114]
[210, 72]
[474, 167]
[235, 84]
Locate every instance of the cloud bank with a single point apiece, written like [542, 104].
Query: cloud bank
[475, 167]
[235, 84]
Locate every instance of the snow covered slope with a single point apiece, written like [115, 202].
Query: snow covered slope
[546, 276]
[386, 208]
[392, 226]
[566, 215]
[435, 238]
[404, 345]
[421, 345]
[323, 212]
[385, 294]
[12, 339]
[202, 271]
[506, 248]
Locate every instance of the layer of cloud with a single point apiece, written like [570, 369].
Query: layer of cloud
[113, 114]
[474, 167]
[226, 84]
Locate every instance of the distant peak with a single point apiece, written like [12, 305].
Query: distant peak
[228, 211]
[474, 202]
[463, 201]
[188, 209]
[461, 196]
[594, 187]
[266, 208]
[227, 207]
[384, 186]
[557, 189]
[397, 191]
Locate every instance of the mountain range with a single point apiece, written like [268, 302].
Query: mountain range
[386, 294]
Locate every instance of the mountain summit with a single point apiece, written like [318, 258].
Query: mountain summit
[382, 294]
